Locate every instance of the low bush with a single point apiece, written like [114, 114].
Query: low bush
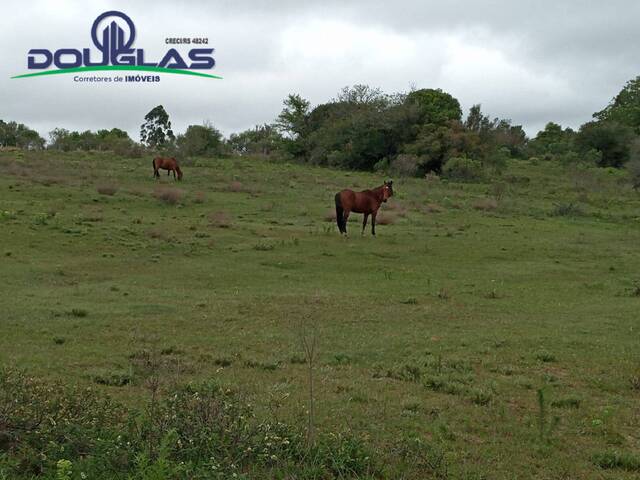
[463, 169]
[168, 195]
[485, 204]
[617, 460]
[220, 220]
[386, 218]
[405, 165]
[567, 209]
[107, 189]
[48, 430]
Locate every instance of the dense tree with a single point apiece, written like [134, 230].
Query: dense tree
[553, 140]
[612, 139]
[115, 140]
[200, 140]
[156, 129]
[359, 134]
[477, 122]
[13, 134]
[435, 106]
[624, 109]
[496, 134]
[365, 95]
[262, 139]
[436, 144]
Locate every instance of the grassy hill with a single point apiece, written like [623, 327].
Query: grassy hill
[497, 321]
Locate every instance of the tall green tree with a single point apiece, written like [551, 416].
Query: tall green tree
[156, 129]
[200, 140]
[292, 123]
[435, 106]
[624, 109]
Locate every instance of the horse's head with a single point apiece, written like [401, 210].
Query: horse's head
[387, 190]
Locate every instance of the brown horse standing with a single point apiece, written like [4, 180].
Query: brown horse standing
[168, 164]
[366, 202]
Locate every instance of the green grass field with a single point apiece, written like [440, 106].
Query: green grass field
[472, 298]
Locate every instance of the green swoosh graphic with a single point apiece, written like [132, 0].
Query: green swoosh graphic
[118, 67]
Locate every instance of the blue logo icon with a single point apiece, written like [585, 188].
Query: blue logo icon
[113, 36]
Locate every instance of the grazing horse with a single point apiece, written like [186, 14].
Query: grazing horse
[366, 202]
[168, 164]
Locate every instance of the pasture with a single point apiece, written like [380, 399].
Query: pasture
[497, 321]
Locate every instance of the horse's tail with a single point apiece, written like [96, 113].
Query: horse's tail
[153, 164]
[339, 213]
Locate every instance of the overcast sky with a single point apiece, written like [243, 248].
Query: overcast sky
[533, 63]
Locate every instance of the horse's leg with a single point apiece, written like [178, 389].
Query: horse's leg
[346, 219]
[373, 222]
[364, 222]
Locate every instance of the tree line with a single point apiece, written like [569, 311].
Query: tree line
[364, 128]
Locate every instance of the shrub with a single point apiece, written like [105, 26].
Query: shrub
[427, 459]
[220, 220]
[157, 233]
[397, 207]
[433, 208]
[545, 356]
[168, 195]
[405, 165]
[223, 362]
[485, 204]
[621, 460]
[386, 218]
[330, 215]
[633, 170]
[431, 177]
[199, 197]
[107, 189]
[264, 247]
[124, 147]
[112, 379]
[236, 186]
[196, 431]
[567, 209]
[463, 169]
[42, 422]
[497, 161]
[480, 396]
[568, 158]
[569, 402]
[381, 165]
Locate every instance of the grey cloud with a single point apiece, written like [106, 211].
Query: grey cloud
[529, 61]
